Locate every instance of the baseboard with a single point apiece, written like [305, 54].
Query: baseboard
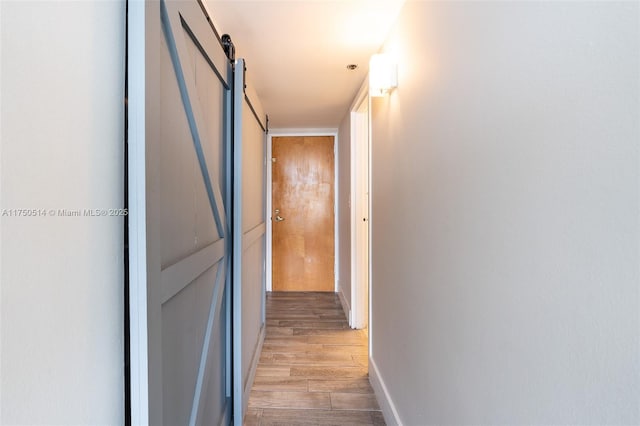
[389, 411]
[345, 306]
[252, 370]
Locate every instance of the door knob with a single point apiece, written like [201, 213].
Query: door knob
[279, 219]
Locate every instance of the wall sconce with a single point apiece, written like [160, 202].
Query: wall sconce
[383, 74]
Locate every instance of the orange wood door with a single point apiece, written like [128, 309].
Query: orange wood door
[303, 195]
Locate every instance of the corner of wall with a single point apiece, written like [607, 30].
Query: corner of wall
[391, 416]
[345, 304]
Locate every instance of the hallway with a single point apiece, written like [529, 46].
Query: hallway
[313, 367]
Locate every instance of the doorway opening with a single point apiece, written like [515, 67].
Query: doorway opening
[360, 142]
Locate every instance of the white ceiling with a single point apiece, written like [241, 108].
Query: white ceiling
[297, 51]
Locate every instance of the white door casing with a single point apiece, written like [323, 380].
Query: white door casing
[360, 212]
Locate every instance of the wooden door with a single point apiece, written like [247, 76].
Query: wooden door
[303, 213]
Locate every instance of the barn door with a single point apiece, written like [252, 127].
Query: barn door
[248, 232]
[179, 137]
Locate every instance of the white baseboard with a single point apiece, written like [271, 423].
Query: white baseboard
[345, 305]
[387, 406]
[254, 366]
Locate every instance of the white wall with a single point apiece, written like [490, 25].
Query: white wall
[505, 217]
[62, 132]
[344, 209]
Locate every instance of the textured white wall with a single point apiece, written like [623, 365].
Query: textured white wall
[62, 132]
[506, 214]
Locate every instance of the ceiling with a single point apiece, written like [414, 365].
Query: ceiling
[297, 52]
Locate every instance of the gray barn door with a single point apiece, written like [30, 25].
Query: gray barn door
[248, 231]
[179, 136]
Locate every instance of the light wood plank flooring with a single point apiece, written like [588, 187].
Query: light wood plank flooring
[313, 367]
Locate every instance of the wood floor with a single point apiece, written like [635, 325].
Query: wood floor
[313, 367]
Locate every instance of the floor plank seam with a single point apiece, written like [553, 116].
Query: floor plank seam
[313, 367]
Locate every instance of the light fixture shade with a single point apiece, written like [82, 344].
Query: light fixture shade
[383, 74]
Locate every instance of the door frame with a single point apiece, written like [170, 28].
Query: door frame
[301, 132]
[360, 290]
